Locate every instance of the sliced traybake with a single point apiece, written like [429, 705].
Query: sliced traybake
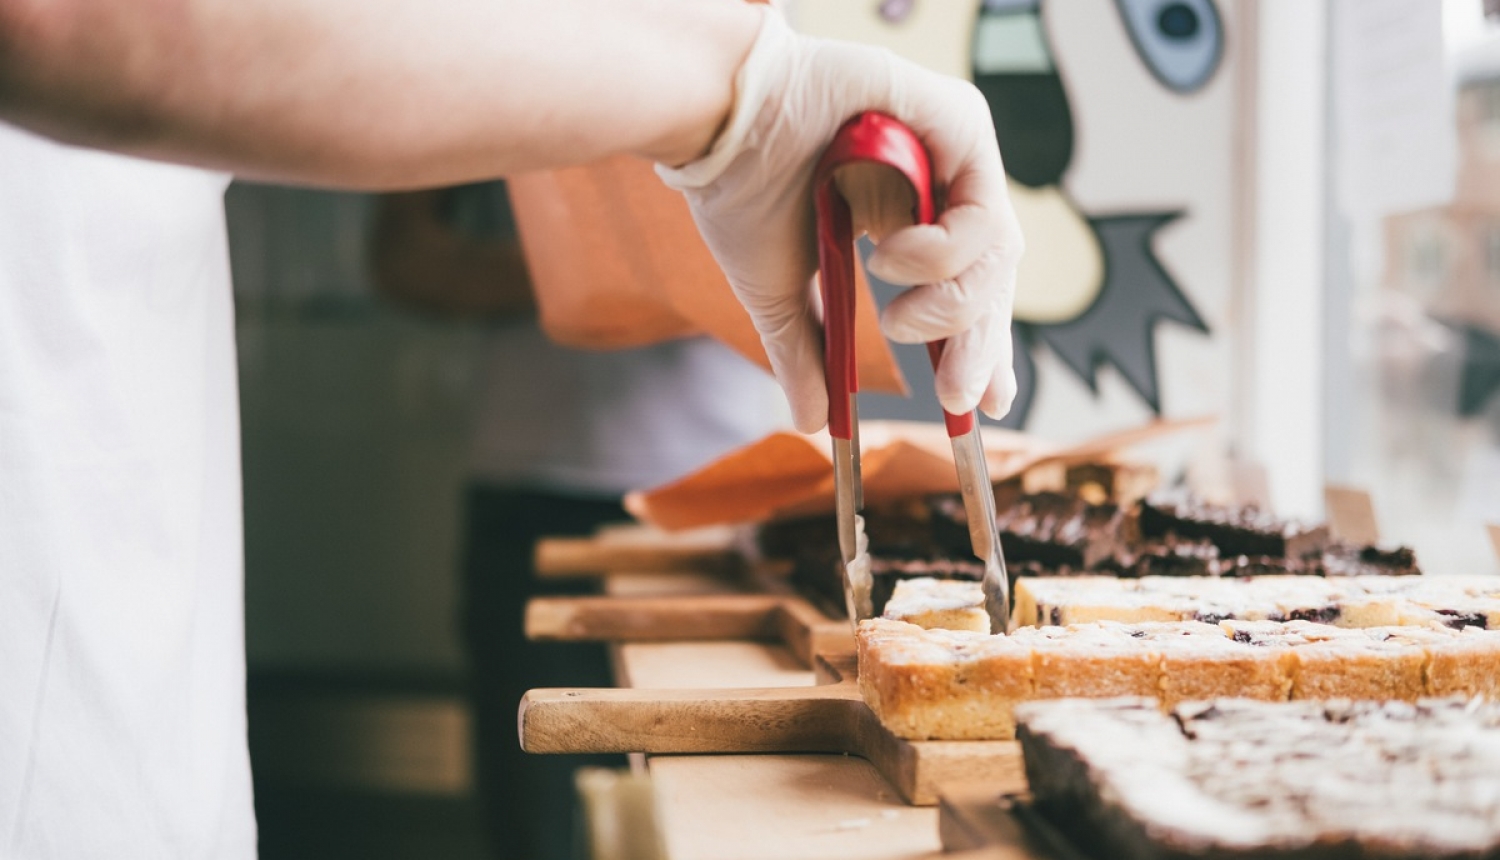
[1240, 778]
[946, 604]
[1359, 601]
[957, 685]
[1355, 601]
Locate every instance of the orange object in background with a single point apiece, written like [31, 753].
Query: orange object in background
[787, 474]
[616, 262]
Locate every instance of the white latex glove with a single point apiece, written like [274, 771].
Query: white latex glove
[751, 197]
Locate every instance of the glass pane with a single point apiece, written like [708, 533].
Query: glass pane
[1414, 380]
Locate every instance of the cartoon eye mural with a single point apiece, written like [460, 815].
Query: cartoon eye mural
[1091, 288]
[1180, 41]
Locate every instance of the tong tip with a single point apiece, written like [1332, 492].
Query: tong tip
[996, 588]
[859, 585]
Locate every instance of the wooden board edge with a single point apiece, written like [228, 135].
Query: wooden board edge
[921, 771]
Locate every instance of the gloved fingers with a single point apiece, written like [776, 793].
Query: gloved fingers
[975, 367]
[947, 307]
[793, 339]
[797, 361]
[1001, 392]
[923, 253]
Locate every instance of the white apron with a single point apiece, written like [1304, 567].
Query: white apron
[122, 704]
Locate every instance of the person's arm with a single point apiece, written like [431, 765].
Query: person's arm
[733, 106]
[421, 261]
[375, 93]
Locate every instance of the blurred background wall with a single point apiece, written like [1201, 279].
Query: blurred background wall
[356, 422]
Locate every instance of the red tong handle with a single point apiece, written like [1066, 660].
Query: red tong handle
[880, 139]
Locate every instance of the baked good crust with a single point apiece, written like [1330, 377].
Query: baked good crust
[960, 685]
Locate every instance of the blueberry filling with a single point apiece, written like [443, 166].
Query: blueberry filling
[1459, 620]
[1321, 615]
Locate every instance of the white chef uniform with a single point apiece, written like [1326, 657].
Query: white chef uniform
[122, 705]
[596, 424]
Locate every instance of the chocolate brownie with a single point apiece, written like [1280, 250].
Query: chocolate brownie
[1053, 530]
[1236, 531]
[890, 572]
[1345, 559]
[1169, 556]
[1241, 778]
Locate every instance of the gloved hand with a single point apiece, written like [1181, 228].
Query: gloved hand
[751, 197]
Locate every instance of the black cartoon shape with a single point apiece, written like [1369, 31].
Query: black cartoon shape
[1117, 328]
[1181, 42]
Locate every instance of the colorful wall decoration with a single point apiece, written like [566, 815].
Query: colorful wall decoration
[1115, 118]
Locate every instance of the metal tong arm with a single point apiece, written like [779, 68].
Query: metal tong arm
[866, 138]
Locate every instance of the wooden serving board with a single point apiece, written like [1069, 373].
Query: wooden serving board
[786, 619]
[829, 717]
[640, 548]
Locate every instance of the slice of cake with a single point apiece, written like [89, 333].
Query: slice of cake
[1270, 598]
[949, 684]
[942, 683]
[1331, 662]
[939, 603]
[1238, 778]
[887, 574]
[1355, 602]
[1358, 601]
[1074, 600]
[1466, 664]
[1204, 667]
[1060, 601]
[1091, 660]
[1448, 601]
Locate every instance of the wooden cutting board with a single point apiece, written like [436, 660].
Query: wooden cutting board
[829, 717]
[782, 618]
[629, 547]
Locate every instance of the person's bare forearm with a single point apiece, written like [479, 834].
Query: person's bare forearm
[374, 93]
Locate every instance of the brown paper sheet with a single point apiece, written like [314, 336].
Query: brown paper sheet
[788, 474]
[616, 262]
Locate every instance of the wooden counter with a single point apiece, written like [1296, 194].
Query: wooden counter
[776, 807]
[762, 807]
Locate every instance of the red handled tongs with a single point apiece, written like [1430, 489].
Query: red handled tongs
[880, 139]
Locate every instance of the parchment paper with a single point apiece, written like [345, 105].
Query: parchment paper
[789, 474]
